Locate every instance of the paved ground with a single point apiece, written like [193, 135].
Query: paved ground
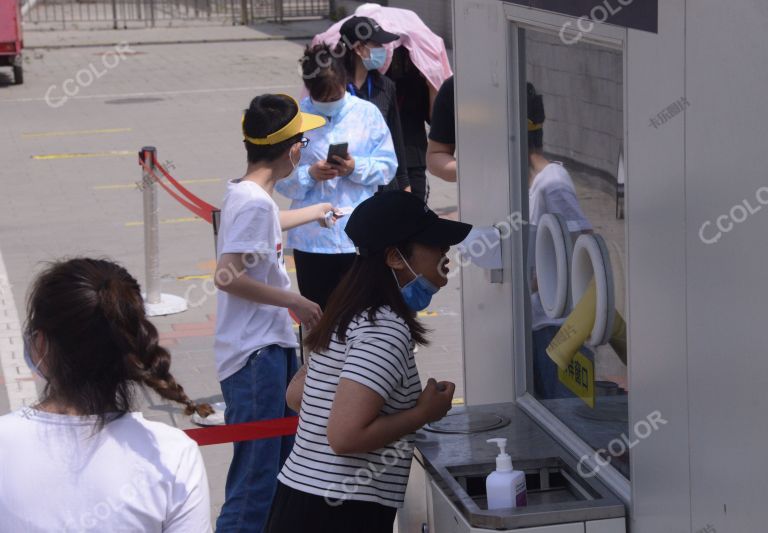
[69, 173]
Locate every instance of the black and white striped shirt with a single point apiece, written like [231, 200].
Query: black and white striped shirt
[378, 355]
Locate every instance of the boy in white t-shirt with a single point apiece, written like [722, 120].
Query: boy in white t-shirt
[255, 342]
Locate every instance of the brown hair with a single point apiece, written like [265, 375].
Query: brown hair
[365, 288]
[98, 340]
[322, 70]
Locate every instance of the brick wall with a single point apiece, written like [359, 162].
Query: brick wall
[582, 89]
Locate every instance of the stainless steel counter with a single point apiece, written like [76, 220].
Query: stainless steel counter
[459, 463]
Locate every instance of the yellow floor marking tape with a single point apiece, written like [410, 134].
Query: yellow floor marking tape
[111, 153]
[427, 313]
[73, 132]
[168, 221]
[201, 276]
[135, 185]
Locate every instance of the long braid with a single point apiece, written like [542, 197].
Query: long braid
[147, 362]
[157, 376]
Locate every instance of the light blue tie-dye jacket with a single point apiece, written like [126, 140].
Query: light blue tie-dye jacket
[362, 125]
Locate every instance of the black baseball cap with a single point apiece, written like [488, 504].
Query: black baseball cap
[357, 29]
[390, 218]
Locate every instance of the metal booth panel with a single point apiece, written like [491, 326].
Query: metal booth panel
[727, 289]
[656, 271]
[483, 132]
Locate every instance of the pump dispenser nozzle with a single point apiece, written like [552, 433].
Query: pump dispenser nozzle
[503, 460]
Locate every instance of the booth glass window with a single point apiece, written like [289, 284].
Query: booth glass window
[576, 253]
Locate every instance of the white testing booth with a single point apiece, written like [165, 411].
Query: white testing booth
[657, 111]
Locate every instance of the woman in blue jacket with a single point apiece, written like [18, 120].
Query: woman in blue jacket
[323, 255]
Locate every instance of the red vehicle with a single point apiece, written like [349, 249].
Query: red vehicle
[11, 41]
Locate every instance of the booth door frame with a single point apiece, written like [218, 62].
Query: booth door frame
[522, 19]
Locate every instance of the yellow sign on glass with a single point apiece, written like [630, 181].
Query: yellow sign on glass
[575, 331]
[579, 377]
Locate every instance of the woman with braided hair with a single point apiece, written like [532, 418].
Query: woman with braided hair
[80, 459]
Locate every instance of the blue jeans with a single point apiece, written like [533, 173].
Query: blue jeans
[256, 392]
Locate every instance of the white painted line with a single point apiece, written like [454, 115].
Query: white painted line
[19, 381]
[156, 93]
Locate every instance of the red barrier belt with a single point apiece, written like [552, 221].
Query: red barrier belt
[240, 432]
[196, 205]
[196, 200]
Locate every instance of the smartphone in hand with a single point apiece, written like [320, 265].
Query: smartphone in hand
[339, 149]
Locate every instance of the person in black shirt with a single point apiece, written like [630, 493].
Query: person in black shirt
[441, 160]
[364, 54]
[414, 100]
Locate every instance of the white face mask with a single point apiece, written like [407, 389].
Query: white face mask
[294, 165]
[376, 59]
[329, 109]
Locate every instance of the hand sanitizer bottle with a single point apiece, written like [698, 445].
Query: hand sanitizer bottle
[505, 487]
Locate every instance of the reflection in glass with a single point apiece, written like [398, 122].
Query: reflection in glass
[576, 251]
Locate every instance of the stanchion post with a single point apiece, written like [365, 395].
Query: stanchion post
[155, 302]
[151, 237]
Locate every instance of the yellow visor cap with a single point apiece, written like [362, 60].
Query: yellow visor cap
[302, 122]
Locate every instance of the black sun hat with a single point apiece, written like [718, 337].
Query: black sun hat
[394, 217]
[365, 29]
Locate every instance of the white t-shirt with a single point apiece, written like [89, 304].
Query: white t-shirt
[378, 355]
[250, 224]
[57, 473]
[552, 191]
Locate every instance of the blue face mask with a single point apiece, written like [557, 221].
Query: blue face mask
[329, 109]
[418, 292]
[35, 368]
[376, 60]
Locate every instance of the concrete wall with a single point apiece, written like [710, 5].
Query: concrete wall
[435, 13]
[582, 89]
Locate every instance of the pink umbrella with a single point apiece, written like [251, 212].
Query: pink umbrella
[427, 50]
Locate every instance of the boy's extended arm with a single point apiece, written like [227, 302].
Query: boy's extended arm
[231, 277]
[292, 218]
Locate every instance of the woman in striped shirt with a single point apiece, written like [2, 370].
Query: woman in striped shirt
[360, 395]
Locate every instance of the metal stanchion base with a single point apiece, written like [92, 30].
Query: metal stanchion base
[168, 305]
